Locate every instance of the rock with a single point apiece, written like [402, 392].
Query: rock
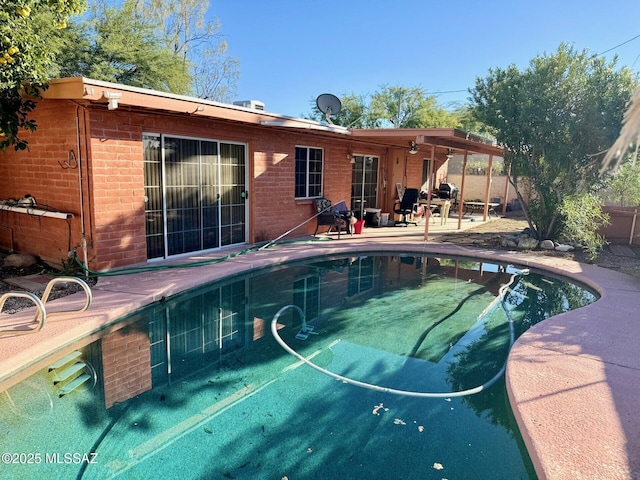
[547, 245]
[564, 248]
[20, 260]
[510, 242]
[527, 243]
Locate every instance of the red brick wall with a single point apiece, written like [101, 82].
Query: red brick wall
[36, 171]
[126, 365]
[112, 153]
[117, 189]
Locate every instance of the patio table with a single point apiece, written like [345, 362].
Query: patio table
[471, 207]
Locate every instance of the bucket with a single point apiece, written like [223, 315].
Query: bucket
[372, 216]
[384, 219]
[357, 227]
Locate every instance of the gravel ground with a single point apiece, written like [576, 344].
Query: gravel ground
[13, 305]
[487, 235]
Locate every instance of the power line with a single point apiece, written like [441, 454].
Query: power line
[617, 46]
[446, 91]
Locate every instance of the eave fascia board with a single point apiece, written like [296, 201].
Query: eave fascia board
[88, 90]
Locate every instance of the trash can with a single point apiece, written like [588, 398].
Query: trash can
[372, 217]
[384, 219]
[357, 227]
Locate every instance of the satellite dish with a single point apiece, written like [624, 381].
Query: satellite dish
[329, 105]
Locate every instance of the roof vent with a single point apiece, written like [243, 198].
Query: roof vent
[252, 104]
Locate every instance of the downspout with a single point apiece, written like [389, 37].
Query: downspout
[85, 261]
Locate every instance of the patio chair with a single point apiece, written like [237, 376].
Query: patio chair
[337, 216]
[405, 206]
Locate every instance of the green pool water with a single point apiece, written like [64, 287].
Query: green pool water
[225, 400]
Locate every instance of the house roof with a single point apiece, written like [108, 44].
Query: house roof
[89, 91]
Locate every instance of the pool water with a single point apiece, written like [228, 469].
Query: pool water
[197, 386]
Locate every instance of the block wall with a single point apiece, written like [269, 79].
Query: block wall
[475, 187]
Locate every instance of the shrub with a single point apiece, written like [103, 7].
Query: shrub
[582, 217]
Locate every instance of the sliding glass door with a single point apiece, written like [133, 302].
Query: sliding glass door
[364, 184]
[195, 195]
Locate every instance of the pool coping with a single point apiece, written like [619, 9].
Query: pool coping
[573, 380]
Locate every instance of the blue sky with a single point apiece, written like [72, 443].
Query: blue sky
[290, 51]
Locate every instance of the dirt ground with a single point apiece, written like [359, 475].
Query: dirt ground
[488, 235]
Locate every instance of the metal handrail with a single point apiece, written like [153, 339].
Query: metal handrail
[40, 316]
[82, 283]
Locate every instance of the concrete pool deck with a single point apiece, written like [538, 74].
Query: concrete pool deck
[573, 380]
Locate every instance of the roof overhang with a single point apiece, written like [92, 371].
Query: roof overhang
[96, 92]
[426, 138]
[86, 91]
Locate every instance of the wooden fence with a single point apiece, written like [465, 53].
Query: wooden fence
[623, 228]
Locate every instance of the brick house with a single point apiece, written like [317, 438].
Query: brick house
[123, 175]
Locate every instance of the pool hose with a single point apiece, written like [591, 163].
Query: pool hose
[154, 268]
[409, 393]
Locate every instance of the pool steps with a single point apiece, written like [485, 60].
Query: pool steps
[71, 386]
[64, 360]
[40, 316]
[70, 372]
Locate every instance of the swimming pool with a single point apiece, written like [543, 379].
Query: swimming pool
[198, 387]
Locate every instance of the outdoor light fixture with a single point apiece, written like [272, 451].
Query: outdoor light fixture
[413, 148]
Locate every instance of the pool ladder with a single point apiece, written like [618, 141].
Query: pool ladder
[70, 372]
[40, 316]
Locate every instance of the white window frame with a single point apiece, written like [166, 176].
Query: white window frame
[306, 180]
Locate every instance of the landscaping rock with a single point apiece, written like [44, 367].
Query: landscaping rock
[527, 243]
[547, 245]
[564, 248]
[510, 242]
[19, 260]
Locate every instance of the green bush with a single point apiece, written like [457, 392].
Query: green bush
[582, 217]
[623, 187]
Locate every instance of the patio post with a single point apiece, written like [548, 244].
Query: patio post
[487, 189]
[461, 192]
[506, 189]
[427, 212]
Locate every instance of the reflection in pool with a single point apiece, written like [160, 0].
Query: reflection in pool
[198, 387]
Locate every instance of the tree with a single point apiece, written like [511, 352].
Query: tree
[401, 107]
[623, 186]
[629, 136]
[121, 45]
[555, 119]
[28, 35]
[197, 42]
[395, 107]
[215, 75]
[464, 119]
[354, 112]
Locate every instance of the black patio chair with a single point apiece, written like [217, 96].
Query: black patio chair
[332, 215]
[405, 206]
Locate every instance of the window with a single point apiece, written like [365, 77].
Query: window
[308, 172]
